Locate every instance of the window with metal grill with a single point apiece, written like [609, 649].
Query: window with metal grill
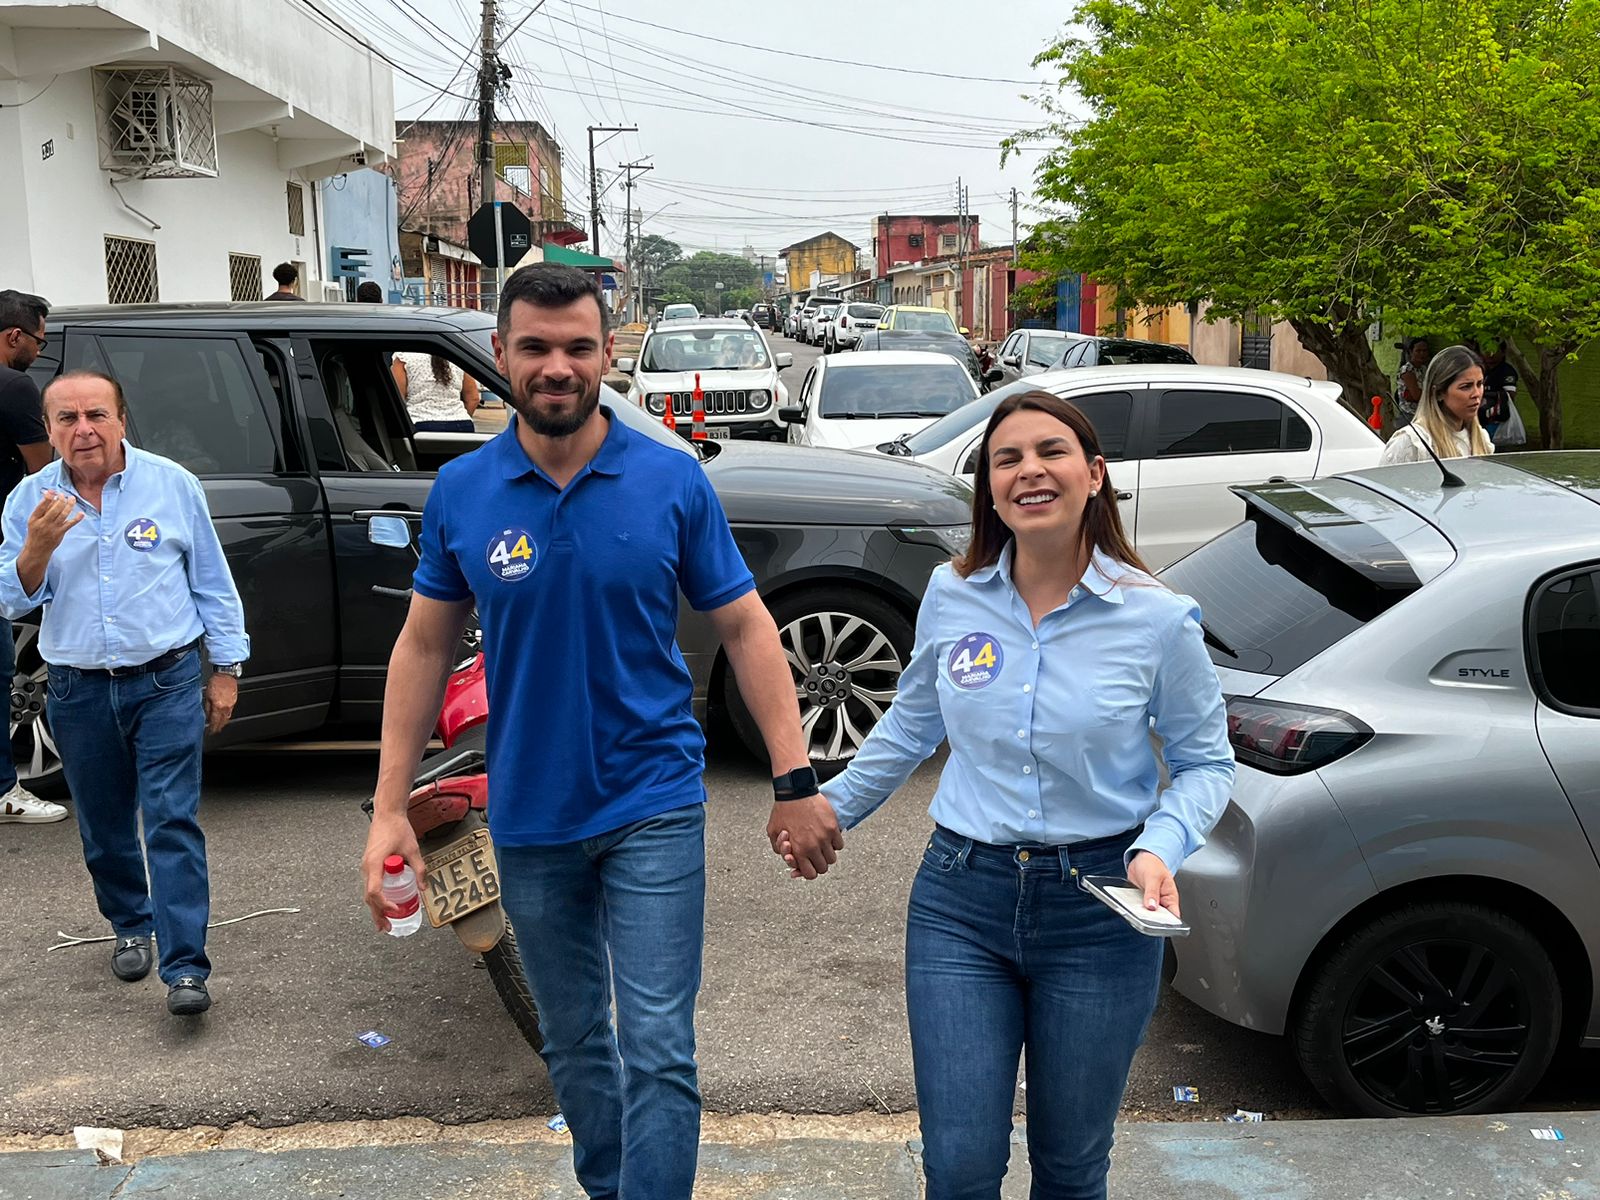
[297, 209]
[244, 276]
[131, 271]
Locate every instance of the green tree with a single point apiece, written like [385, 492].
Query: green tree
[695, 280]
[1324, 163]
[654, 254]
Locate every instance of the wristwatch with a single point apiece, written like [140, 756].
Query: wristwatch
[798, 784]
[234, 669]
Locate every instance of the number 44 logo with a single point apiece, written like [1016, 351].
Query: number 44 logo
[975, 661]
[966, 660]
[142, 534]
[512, 554]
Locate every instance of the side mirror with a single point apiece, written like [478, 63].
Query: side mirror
[1012, 360]
[792, 414]
[993, 375]
[784, 359]
[389, 531]
[627, 365]
[964, 331]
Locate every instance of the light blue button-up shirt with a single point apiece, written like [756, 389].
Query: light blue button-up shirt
[143, 575]
[1049, 727]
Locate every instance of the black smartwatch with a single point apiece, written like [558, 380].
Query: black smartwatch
[798, 784]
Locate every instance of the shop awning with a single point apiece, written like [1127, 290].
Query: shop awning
[576, 258]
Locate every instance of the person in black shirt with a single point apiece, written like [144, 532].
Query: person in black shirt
[286, 276]
[1500, 381]
[24, 448]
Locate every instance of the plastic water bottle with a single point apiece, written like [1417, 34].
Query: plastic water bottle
[400, 890]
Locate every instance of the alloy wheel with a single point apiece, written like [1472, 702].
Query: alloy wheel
[1436, 1025]
[33, 746]
[846, 674]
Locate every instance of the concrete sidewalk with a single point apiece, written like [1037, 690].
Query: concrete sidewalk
[1471, 1158]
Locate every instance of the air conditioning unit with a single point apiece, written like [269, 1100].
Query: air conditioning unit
[914, 240]
[155, 123]
[332, 293]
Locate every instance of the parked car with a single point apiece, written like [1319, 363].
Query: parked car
[859, 401]
[766, 316]
[738, 374]
[1404, 881]
[1028, 352]
[918, 319]
[680, 312]
[290, 416]
[849, 323]
[794, 324]
[953, 344]
[1085, 350]
[817, 312]
[1177, 440]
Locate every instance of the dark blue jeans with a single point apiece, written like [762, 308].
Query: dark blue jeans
[1005, 956]
[131, 749]
[8, 668]
[624, 910]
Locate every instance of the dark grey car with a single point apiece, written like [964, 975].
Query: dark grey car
[1405, 880]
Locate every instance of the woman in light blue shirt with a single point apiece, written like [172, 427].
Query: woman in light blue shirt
[1045, 656]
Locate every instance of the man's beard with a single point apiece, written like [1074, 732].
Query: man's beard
[556, 426]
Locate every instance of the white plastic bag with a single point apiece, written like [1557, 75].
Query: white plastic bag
[1511, 432]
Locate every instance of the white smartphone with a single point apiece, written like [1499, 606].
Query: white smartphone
[1127, 901]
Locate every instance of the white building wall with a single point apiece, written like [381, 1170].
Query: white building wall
[68, 206]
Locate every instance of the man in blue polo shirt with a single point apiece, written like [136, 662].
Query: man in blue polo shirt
[574, 536]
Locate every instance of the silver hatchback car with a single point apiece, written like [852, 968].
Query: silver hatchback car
[1406, 880]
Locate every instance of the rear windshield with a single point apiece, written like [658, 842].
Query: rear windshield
[1273, 595]
[937, 321]
[923, 390]
[866, 312]
[1118, 354]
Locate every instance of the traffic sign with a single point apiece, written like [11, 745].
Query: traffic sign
[515, 228]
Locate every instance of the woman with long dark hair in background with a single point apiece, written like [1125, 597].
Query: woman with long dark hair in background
[1044, 654]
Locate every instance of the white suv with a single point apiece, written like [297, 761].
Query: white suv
[848, 324]
[737, 370]
[1176, 440]
[812, 320]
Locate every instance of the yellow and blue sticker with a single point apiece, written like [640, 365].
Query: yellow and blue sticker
[142, 534]
[975, 661]
[512, 555]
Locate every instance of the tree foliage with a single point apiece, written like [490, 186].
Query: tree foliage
[1321, 163]
[694, 281]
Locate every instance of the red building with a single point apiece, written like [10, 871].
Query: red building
[905, 239]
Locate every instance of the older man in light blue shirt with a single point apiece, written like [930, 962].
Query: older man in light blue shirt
[118, 547]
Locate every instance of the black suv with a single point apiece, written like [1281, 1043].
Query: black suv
[291, 418]
[765, 315]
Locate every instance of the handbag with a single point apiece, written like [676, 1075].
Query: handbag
[1512, 432]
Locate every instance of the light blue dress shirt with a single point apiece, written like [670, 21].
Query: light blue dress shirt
[1049, 727]
[142, 576]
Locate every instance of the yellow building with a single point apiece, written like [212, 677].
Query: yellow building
[822, 257]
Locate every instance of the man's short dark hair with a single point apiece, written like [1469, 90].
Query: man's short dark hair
[369, 293]
[85, 373]
[285, 274]
[22, 310]
[550, 285]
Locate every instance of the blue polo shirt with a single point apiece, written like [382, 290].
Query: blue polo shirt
[591, 725]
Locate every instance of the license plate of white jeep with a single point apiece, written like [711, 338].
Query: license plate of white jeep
[717, 433]
[462, 878]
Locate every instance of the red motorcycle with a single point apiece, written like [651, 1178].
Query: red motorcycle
[448, 812]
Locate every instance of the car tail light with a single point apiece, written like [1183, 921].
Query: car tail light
[1290, 739]
[844, 322]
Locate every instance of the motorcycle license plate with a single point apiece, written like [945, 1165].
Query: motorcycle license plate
[462, 878]
[718, 433]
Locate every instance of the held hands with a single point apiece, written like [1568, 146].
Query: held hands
[1150, 874]
[805, 834]
[48, 524]
[221, 694]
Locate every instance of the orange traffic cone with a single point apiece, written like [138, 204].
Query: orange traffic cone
[699, 414]
[1376, 419]
[667, 419]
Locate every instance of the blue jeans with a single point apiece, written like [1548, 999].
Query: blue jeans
[8, 668]
[626, 910]
[1005, 955]
[131, 747]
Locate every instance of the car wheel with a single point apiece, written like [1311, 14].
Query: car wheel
[846, 650]
[1431, 1009]
[33, 745]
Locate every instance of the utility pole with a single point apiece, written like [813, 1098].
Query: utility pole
[594, 176]
[961, 243]
[627, 231]
[487, 77]
[1013, 227]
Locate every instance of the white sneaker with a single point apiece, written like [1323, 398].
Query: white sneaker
[19, 804]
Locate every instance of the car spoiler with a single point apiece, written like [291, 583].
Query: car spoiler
[1342, 536]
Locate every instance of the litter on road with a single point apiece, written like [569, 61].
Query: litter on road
[1243, 1116]
[372, 1038]
[106, 1143]
[557, 1123]
[1186, 1095]
[1548, 1135]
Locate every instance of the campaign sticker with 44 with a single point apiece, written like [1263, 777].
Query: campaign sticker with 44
[512, 554]
[976, 660]
[142, 534]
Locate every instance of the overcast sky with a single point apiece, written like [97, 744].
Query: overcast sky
[738, 132]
